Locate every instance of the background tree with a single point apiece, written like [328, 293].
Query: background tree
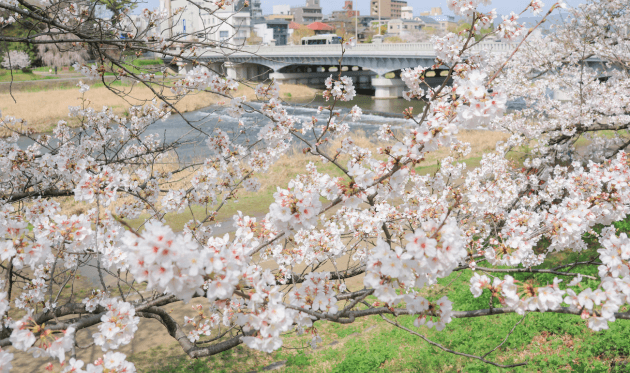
[15, 60]
[464, 27]
[61, 54]
[393, 39]
[254, 39]
[302, 32]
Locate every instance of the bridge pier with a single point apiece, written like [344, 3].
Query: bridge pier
[387, 88]
[235, 70]
[246, 71]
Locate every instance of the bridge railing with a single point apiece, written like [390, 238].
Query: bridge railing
[407, 48]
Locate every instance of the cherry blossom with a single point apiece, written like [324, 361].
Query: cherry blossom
[375, 215]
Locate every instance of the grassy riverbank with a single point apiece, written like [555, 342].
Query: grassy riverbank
[43, 109]
[19, 76]
[547, 342]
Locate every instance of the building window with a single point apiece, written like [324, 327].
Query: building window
[224, 35]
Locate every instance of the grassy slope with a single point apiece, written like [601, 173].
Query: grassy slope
[550, 342]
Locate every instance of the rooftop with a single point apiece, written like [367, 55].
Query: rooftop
[320, 26]
[427, 19]
[443, 18]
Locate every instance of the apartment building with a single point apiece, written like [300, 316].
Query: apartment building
[231, 25]
[446, 22]
[388, 8]
[400, 27]
[311, 12]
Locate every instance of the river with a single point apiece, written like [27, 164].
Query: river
[376, 113]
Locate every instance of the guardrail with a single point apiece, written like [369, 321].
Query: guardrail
[384, 47]
[359, 48]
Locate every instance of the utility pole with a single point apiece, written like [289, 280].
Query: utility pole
[170, 19]
[349, 13]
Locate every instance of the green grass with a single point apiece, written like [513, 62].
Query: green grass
[19, 76]
[549, 342]
[72, 86]
[155, 61]
[138, 66]
[47, 68]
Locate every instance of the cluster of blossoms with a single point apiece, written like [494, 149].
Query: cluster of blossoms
[266, 314]
[296, 207]
[318, 245]
[448, 48]
[119, 324]
[91, 72]
[465, 7]
[19, 249]
[101, 187]
[350, 43]
[509, 29]
[200, 78]
[536, 6]
[356, 113]
[413, 79]
[201, 324]
[433, 314]
[339, 89]
[432, 252]
[535, 299]
[169, 262]
[268, 91]
[31, 337]
[317, 293]
[111, 362]
[480, 107]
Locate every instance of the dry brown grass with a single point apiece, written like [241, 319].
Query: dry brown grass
[480, 142]
[42, 110]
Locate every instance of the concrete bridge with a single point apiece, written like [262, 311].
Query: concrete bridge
[366, 64]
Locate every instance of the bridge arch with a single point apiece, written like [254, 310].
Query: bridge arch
[315, 75]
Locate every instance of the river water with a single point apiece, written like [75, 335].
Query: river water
[376, 113]
[368, 103]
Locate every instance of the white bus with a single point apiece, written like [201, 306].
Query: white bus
[321, 39]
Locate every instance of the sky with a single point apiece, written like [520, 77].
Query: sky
[502, 6]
